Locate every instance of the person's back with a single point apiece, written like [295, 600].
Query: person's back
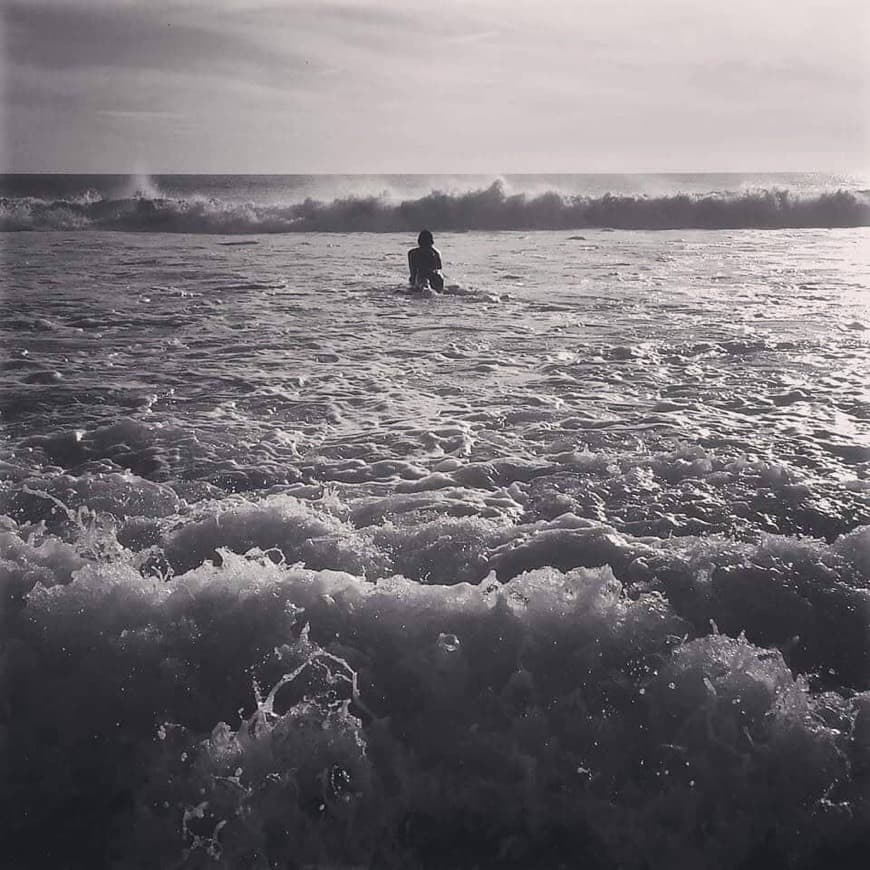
[424, 264]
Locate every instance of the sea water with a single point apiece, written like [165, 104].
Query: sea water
[566, 566]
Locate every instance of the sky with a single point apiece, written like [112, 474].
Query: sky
[306, 86]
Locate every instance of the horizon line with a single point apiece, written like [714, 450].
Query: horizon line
[491, 173]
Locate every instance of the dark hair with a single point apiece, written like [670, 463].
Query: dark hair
[425, 240]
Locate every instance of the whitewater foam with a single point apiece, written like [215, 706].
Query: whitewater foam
[486, 209]
[294, 569]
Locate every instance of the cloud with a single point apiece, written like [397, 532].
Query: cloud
[356, 14]
[139, 115]
[64, 38]
[380, 84]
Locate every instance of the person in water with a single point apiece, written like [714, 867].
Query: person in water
[424, 263]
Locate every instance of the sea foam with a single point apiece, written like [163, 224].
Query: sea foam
[253, 707]
[296, 571]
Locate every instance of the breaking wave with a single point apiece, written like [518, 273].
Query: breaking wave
[263, 703]
[490, 209]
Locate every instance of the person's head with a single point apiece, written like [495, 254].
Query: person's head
[425, 240]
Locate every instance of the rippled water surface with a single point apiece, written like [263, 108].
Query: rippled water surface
[293, 358]
[519, 541]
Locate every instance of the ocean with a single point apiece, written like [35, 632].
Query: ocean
[566, 566]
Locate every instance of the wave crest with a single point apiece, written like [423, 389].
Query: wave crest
[490, 208]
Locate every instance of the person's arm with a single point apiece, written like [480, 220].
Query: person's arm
[437, 258]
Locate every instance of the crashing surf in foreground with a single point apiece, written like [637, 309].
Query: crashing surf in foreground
[208, 700]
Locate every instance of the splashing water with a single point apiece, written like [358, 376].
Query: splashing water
[571, 567]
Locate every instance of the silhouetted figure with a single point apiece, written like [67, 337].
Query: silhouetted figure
[424, 263]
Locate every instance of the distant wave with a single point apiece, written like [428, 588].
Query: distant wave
[485, 209]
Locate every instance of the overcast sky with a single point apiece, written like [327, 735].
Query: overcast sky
[450, 86]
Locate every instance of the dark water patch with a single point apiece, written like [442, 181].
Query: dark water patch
[48, 396]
